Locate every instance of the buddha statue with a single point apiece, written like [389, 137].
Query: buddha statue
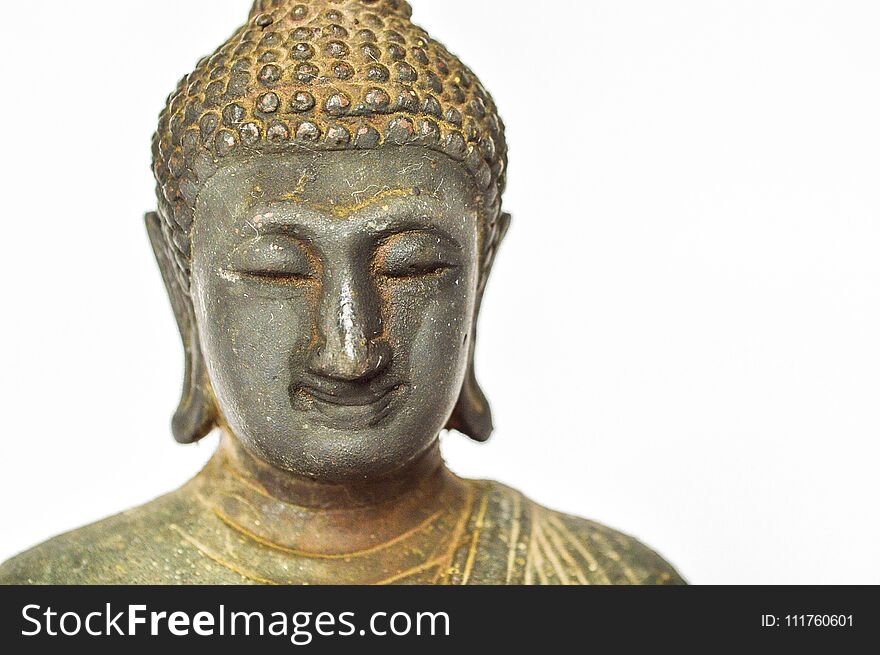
[329, 208]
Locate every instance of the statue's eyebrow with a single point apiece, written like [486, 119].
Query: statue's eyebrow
[266, 222]
[407, 225]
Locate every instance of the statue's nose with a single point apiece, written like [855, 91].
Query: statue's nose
[349, 346]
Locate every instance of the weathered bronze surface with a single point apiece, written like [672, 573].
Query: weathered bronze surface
[329, 187]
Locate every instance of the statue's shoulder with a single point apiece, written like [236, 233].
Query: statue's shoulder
[145, 545]
[549, 547]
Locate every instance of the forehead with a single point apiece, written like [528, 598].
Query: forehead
[340, 182]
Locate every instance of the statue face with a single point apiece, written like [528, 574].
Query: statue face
[334, 296]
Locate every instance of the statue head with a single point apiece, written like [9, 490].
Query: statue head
[329, 187]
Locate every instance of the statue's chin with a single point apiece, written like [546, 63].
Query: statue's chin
[335, 456]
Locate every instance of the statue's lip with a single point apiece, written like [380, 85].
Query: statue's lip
[346, 408]
[343, 397]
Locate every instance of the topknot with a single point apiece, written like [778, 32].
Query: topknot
[324, 74]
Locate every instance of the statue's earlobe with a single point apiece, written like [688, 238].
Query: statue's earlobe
[472, 415]
[196, 414]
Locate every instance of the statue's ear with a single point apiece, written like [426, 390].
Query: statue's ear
[472, 415]
[196, 414]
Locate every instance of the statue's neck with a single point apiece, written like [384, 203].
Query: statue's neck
[282, 510]
[419, 477]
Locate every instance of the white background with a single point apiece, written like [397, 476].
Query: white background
[681, 337]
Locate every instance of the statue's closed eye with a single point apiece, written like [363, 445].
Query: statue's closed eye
[276, 256]
[416, 254]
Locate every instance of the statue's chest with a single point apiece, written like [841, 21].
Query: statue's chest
[484, 543]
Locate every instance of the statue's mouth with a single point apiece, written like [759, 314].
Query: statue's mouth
[347, 406]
